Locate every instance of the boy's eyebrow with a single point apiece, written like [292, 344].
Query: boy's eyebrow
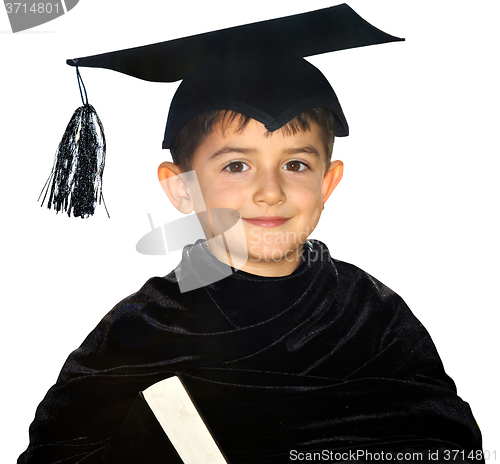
[306, 149]
[227, 149]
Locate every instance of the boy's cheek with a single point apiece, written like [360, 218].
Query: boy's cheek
[253, 236]
[221, 198]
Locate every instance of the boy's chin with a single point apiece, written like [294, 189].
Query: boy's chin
[275, 253]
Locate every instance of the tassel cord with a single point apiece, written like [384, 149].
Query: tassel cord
[81, 86]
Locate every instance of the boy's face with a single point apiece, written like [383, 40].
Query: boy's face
[278, 183]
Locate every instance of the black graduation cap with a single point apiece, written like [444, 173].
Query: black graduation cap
[257, 69]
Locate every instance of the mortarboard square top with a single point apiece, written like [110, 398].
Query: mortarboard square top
[257, 69]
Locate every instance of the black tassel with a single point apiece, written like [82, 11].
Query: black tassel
[75, 183]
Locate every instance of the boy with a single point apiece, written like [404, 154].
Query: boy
[293, 354]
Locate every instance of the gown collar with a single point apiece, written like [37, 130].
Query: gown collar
[247, 299]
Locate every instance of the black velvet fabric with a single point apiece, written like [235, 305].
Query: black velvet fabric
[327, 358]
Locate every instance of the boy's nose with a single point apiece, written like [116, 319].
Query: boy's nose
[269, 190]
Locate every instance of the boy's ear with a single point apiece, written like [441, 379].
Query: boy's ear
[176, 189]
[332, 178]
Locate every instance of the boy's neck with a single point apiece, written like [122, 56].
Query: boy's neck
[264, 268]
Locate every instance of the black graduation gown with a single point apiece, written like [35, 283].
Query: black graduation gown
[327, 358]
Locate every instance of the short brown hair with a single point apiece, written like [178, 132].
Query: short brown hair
[201, 126]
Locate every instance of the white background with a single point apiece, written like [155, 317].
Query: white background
[417, 208]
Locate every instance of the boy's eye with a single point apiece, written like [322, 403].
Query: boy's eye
[295, 166]
[236, 166]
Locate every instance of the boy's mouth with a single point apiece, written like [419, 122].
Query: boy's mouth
[267, 221]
